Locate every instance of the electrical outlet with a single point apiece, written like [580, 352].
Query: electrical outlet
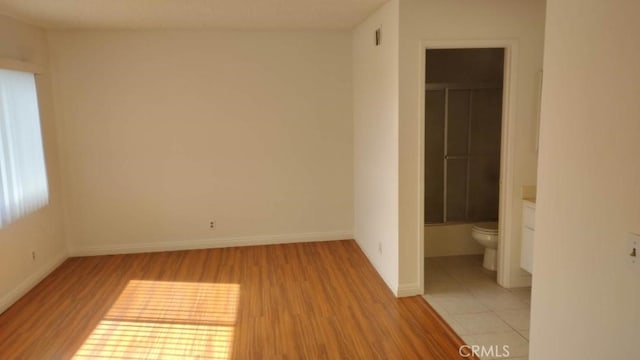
[380, 248]
[33, 255]
[212, 225]
[633, 248]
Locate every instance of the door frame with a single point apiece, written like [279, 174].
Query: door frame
[507, 146]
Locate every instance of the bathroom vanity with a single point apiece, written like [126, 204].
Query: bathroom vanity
[528, 230]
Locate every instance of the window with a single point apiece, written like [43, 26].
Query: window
[23, 177]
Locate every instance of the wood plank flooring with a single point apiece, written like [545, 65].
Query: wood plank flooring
[297, 301]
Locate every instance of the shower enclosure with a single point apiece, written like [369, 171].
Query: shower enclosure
[463, 121]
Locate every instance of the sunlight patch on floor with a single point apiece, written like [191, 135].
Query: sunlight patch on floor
[166, 320]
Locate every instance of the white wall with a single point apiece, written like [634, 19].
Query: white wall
[520, 22]
[162, 131]
[40, 231]
[450, 240]
[585, 294]
[375, 113]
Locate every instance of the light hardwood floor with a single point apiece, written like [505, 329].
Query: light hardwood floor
[311, 300]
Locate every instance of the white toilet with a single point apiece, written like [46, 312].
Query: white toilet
[487, 235]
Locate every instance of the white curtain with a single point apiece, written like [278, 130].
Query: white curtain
[23, 176]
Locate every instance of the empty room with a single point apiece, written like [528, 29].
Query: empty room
[366, 179]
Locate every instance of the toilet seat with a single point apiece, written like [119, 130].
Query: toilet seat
[489, 228]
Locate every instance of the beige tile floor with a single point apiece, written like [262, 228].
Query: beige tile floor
[476, 307]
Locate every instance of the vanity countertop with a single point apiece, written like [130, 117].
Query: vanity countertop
[529, 194]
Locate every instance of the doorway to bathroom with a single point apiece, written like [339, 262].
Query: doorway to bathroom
[466, 192]
[463, 118]
[463, 131]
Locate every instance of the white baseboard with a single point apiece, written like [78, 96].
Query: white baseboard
[520, 280]
[31, 281]
[210, 243]
[413, 289]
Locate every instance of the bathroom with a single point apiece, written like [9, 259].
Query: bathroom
[464, 150]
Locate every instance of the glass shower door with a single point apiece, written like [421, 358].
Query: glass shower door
[462, 155]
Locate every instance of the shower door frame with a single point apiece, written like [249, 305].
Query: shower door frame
[446, 87]
[506, 274]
